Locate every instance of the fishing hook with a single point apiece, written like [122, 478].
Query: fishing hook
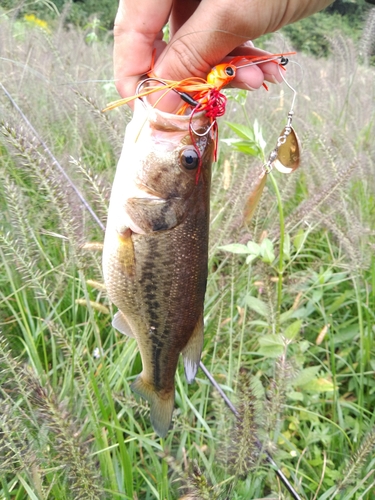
[184, 95]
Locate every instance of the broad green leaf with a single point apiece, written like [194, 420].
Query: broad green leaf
[235, 248]
[257, 305]
[242, 131]
[248, 149]
[253, 247]
[291, 331]
[271, 346]
[231, 141]
[319, 385]
[238, 95]
[286, 315]
[244, 146]
[317, 294]
[306, 375]
[258, 135]
[346, 334]
[299, 240]
[258, 322]
[304, 345]
[325, 276]
[296, 396]
[250, 258]
[266, 250]
[339, 301]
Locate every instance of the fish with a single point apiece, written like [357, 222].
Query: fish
[155, 249]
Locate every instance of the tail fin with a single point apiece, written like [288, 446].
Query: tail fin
[161, 408]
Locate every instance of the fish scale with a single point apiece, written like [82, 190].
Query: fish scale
[156, 249]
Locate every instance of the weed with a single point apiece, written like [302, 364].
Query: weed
[288, 327]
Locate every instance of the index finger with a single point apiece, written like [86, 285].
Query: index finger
[137, 30]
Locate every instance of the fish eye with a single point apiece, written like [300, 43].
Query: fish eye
[229, 71]
[189, 158]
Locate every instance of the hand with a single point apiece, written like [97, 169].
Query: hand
[202, 33]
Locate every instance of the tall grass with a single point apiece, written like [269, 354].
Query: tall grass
[300, 370]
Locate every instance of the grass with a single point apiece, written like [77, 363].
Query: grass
[297, 360]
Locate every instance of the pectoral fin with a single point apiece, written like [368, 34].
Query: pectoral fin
[125, 249]
[193, 351]
[161, 406]
[121, 324]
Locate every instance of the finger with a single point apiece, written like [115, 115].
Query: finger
[248, 78]
[216, 27]
[135, 36]
[195, 47]
[182, 10]
[250, 74]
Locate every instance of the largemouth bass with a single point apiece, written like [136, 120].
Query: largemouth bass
[156, 245]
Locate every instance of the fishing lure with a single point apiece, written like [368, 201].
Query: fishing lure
[200, 95]
[195, 89]
[285, 157]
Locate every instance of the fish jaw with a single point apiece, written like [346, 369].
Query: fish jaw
[155, 268]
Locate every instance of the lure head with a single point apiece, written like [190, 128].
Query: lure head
[221, 75]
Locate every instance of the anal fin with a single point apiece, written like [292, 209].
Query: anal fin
[161, 406]
[193, 351]
[121, 324]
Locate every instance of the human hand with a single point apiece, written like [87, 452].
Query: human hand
[202, 33]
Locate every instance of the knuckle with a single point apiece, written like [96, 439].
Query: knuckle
[189, 61]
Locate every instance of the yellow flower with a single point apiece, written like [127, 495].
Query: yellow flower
[35, 21]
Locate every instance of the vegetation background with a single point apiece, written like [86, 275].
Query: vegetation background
[290, 302]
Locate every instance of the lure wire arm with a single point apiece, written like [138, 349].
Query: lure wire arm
[283, 61]
[268, 166]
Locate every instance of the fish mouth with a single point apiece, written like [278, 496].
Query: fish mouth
[170, 122]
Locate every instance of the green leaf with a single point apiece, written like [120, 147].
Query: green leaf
[306, 375]
[266, 250]
[253, 247]
[304, 345]
[235, 248]
[250, 258]
[299, 240]
[292, 330]
[319, 385]
[287, 246]
[257, 305]
[271, 346]
[296, 396]
[286, 315]
[339, 301]
[317, 295]
[28, 489]
[258, 135]
[242, 131]
[248, 149]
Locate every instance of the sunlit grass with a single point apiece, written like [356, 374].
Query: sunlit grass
[297, 361]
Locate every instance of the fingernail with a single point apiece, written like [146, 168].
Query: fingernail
[247, 87]
[271, 78]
